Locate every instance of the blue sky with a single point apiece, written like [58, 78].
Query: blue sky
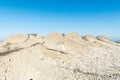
[96, 17]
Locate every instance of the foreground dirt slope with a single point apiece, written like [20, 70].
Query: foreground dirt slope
[59, 57]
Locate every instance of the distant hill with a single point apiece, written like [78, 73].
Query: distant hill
[117, 41]
[1, 40]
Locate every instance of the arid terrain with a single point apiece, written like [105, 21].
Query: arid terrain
[59, 57]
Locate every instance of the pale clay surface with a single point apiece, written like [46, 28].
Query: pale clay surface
[59, 57]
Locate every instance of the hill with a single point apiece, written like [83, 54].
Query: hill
[59, 57]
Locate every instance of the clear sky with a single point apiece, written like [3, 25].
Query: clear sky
[96, 17]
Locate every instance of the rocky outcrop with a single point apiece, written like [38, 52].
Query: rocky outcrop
[59, 57]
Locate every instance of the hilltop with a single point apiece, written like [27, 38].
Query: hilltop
[59, 57]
